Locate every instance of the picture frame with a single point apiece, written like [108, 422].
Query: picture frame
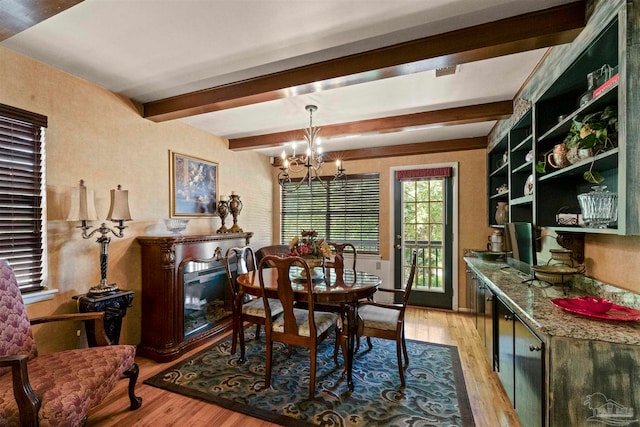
[193, 187]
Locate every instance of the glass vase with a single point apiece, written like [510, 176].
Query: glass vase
[502, 213]
[599, 207]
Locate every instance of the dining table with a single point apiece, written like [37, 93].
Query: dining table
[343, 288]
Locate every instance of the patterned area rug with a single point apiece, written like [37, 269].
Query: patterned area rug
[435, 394]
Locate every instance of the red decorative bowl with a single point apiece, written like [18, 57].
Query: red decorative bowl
[595, 304]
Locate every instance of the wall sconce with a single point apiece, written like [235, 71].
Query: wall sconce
[83, 209]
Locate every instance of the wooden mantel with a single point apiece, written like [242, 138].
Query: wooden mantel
[163, 333]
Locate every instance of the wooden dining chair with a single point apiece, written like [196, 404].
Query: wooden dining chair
[295, 326]
[278, 250]
[237, 261]
[387, 320]
[343, 249]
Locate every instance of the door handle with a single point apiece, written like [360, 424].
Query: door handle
[398, 246]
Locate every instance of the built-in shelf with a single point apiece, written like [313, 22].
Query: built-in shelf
[524, 200]
[502, 195]
[606, 160]
[610, 97]
[526, 167]
[524, 145]
[502, 170]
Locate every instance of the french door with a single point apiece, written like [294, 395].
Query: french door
[424, 221]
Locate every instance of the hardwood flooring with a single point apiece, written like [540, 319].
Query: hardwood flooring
[490, 404]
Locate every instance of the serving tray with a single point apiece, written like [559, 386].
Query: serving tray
[617, 312]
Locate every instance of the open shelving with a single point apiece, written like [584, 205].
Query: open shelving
[548, 122]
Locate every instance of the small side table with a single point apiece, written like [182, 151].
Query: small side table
[114, 307]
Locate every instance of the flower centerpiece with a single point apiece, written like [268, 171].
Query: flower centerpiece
[310, 247]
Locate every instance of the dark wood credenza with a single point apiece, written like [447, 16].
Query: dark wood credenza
[163, 299]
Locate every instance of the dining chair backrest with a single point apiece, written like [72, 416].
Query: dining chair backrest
[238, 260]
[285, 290]
[410, 279]
[344, 249]
[278, 250]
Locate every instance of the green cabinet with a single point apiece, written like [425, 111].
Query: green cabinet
[520, 365]
[554, 96]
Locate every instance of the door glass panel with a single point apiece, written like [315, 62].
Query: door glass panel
[423, 230]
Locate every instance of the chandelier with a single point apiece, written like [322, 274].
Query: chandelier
[311, 161]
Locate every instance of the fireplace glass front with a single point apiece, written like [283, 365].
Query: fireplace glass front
[206, 298]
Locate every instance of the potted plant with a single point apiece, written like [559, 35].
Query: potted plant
[592, 134]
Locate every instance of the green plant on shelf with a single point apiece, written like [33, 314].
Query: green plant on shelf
[594, 133]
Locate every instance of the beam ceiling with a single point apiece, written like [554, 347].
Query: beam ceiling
[521, 33]
[18, 15]
[452, 116]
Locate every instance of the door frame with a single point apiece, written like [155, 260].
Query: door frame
[454, 227]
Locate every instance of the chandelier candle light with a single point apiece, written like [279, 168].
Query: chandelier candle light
[83, 209]
[311, 160]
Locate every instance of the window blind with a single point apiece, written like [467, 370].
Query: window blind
[21, 194]
[349, 215]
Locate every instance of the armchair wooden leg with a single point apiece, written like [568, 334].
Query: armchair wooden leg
[312, 375]
[267, 372]
[369, 343]
[399, 354]
[404, 350]
[257, 331]
[241, 338]
[28, 402]
[132, 374]
[234, 339]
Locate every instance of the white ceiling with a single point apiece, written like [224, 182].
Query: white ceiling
[153, 49]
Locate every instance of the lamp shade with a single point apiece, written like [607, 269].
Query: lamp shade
[83, 207]
[119, 210]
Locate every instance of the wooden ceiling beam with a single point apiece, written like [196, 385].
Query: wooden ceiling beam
[450, 145]
[520, 33]
[410, 149]
[18, 15]
[451, 116]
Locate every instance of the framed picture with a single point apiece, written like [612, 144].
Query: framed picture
[194, 186]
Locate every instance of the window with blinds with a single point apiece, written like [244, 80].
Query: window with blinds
[350, 214]
[22, 190]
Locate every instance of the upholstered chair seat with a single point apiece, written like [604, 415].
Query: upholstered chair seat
[68, 383]
[324, 321]
[375, 317]
[255, 307]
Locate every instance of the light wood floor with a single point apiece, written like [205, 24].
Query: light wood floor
[490, 405]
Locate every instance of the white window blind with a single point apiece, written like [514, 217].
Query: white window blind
[21, 194]
[349, 215]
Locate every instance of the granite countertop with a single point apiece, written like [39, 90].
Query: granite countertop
[532, 303]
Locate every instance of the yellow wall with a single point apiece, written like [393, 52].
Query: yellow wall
[472, 201]
[614, 260]
[100, 137]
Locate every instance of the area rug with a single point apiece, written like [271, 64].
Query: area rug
[435, 394]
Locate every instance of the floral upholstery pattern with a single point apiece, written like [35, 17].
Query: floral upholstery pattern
[255, 307]
[67, 383]
[15, 334]
[323, 322]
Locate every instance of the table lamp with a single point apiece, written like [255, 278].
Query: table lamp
[83, 209]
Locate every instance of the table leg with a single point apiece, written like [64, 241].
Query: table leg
[352, 329]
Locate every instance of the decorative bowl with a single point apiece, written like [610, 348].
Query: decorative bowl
[176, 225]
[489, 255]
[554, 274]
[595, 304]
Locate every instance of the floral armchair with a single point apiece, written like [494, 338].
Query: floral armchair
[56, 389]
